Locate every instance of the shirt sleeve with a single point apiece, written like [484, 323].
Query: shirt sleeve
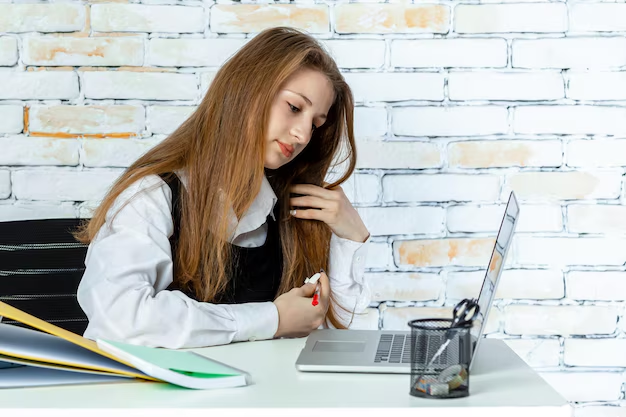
[346, 273]
[128, 268]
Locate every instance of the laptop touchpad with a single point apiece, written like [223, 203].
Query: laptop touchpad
[325, 346]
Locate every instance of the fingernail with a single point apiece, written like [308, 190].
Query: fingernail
[292, 212]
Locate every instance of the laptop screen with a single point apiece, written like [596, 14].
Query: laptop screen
[496, 264]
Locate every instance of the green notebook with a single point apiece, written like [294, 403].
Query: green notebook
[184, 368]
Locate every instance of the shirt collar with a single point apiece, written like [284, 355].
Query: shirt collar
[256, 215]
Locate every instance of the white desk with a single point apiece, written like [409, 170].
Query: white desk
[502, 383]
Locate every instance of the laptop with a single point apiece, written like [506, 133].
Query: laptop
[383, 351]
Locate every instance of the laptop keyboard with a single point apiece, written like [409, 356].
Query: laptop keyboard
[393, 349]
[396, 348]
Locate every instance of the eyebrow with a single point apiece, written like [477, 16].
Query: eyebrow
[323, 116]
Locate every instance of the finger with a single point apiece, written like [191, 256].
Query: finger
[310, 201]
[314, 190]
[309, 214]
[307, 290]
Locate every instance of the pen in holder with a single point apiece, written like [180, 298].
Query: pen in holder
[441, 351]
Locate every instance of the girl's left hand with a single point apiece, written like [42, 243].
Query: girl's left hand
[330, 206]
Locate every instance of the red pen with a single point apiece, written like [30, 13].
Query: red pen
[316, 296]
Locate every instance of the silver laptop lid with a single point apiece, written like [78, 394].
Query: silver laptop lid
[494, 270]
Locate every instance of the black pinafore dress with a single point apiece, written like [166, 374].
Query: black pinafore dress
[256, 271]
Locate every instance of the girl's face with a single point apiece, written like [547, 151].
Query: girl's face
[298, 109]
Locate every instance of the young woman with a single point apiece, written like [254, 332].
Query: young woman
[208, 238]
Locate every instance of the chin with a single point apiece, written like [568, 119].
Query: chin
[273, 164]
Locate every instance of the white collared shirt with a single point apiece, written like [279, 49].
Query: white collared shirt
[129, 266]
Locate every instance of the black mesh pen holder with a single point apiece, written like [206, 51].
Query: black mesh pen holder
[440, 358]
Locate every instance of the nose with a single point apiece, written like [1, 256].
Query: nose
[301, 131]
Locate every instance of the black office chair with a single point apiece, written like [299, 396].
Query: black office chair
[41, 264]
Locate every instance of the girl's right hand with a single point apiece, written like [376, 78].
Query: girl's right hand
[297, 317]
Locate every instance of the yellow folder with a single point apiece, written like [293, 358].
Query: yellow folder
[13, 313]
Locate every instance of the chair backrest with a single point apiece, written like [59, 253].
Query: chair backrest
[41, 264]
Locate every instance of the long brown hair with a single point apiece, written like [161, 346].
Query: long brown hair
[221, 149]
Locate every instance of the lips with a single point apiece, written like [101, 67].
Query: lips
[287, 150]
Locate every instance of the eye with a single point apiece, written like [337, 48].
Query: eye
[295, 109]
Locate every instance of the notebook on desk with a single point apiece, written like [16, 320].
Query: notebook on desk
[383, 351]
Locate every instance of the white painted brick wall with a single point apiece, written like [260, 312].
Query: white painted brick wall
[390, 18]
[443, 252]
[579, 53]
[532, 284]
[450, 187]
[472, 218]
[206, 78]
[540, 218]
[396, 87]
[596, 285]
[596, 153]
[42, 85]
[146, 18]
[228, 18]
[191, 52]
[139, 85]
[370, 122]
[399, 155]
[491, 85]
[596, 85]
[403, 220]
[87, 119]
[502, 18]
[379, 256]
[18, 150]
[569, 120]
[114, 152]
[165, 119]
[5, 183]
[505, 153]
[55, 17]
[461, 53]
[597, 17]
[596, 219]
[8, 51]
[356, 53]
[29, 210]
[560, 185]
[560, 320]
[606, 352]
[362, 188]
[11, 118]
[449, 121]
[401, 286]
[100, 51]
[457, 105]
[553, 251]
[61, 185]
